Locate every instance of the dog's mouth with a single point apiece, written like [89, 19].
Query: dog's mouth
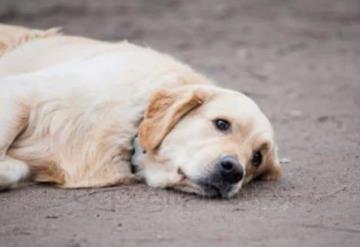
[204, 187]
[212, 191]
[216, 191]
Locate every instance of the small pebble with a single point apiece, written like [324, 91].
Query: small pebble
[51, 216]
[285, 161]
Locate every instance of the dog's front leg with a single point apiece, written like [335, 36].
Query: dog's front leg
[13, 119]
[12, 171]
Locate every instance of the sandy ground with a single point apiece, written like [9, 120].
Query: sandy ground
[300, 60]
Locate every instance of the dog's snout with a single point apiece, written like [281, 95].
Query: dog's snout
[230, 169]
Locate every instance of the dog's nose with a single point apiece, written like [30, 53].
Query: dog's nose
[230, 169]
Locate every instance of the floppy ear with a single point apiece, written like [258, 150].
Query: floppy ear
[166, 108]
[273, 170]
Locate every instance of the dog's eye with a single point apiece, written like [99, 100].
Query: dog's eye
[222, 124]
[256, 159]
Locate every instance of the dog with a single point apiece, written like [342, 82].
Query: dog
[77, 113]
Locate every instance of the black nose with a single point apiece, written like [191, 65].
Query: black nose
[230, 169]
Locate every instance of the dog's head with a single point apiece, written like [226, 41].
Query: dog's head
[205, 140]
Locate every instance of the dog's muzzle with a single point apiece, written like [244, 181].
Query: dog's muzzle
[225, 179]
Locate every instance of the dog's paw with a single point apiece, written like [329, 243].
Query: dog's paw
[12, 172]
[5, 183]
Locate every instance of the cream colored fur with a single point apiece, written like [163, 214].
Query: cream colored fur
[69, 106]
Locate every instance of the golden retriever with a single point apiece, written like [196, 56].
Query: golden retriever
[80, 113]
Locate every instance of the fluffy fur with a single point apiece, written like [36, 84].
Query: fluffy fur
[70, 106]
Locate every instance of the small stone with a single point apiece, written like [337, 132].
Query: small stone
[51, 216]
[322, 119]
[285, 161]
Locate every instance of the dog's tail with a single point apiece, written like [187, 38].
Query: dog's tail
[14, 36]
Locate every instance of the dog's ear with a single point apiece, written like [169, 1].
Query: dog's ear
[166, 107]
[273, 168]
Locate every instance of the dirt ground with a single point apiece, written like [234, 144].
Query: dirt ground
[300, 60]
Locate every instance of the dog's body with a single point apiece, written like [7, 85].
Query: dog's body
[70, 106]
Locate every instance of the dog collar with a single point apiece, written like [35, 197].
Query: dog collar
[136, 151]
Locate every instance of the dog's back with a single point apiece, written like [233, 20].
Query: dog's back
[24, 50]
